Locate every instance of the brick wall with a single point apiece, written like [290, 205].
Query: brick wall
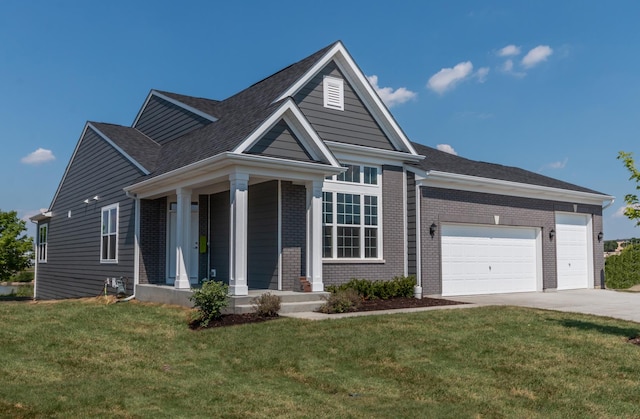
[393, 231]
[153, 239]
[294, 234]
[446, 205]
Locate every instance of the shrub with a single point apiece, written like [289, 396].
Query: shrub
[267, 305]
[399, 286]
[24, 276]
[341, 301]
[623, 271]
[210, 300]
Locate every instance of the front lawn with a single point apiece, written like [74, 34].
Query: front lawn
[85, 358]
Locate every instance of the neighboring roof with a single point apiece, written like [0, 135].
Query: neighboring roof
[141, 148]
[437, 160]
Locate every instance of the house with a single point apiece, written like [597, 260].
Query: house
[303, 179]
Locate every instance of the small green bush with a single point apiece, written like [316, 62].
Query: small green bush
[399, 286]
[341, 301]
[210, 300]
[623, 271]
[267, 305]
[24, 276]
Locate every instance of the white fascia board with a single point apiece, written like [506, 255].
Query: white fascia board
[66, 170]
[363, 88]
[502, 187]
[42, 216]
[357, 153]
[292, 115]
[121, 151]
[173, 101]
[219, 166]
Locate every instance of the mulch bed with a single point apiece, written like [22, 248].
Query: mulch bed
[368, 305]
[404, 302]
[635, 341]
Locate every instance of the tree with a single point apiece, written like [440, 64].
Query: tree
[16, 249]
[632, 211]
[610, 245]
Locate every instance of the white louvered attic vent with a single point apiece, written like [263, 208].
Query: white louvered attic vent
[333, 93]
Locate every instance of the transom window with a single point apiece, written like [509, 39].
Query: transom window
[43, 230]
[366, 175]
[351, 223]
[109, 234]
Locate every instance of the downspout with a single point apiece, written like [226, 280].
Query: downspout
[136, 246]
[35, 254]
[417, 290]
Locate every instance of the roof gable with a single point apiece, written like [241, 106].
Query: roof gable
[361, 87]
[282, 142]
[163, 118]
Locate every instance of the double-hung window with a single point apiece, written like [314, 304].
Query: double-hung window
[43, 230]
[351, 214]
[109, 234]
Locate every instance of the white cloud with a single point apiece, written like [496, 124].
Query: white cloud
[39, 156]
[560, 164]
[447, 149]
[389, 96]
[507, 66]
[620, 211]
[447, 78]
[509, 51]
[536, 55]
[482, 74]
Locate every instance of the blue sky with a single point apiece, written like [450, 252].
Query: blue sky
[548, 86]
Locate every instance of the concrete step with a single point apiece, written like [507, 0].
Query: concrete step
[290, 307]
[285, 297]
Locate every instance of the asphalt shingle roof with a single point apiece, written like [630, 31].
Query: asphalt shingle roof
[140, 147]
[446, 162]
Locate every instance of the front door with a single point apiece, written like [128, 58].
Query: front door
[171, 249]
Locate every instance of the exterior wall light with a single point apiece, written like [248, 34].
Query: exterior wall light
[432, 229]
[600, 236]
[552, 234]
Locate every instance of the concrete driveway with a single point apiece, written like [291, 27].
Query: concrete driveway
[620, 305]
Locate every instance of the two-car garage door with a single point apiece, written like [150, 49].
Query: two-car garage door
[485, 259]
[480, 259]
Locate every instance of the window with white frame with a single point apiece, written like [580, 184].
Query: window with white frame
[43, 230]
[109, 234]
[351, 206]
[333, 93]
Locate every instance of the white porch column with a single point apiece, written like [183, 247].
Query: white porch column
[314, 235]
[239, 183]
[183, 238]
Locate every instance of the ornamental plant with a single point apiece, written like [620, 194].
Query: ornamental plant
[210, 300]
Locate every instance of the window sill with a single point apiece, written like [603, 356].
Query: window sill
[352, 261]
[109, 262]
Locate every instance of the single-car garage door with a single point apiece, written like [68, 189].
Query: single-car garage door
[573, 250]
[489, 259]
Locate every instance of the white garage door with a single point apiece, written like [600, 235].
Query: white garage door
[489, 259]
[573, 250]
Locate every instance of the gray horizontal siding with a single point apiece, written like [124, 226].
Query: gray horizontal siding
[280, 141]
[73, 267]
[353, 125]
[163, 121]
[219, 234]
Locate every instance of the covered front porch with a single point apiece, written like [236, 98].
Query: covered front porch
[252, 229]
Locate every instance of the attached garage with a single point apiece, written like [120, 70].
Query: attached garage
[574, 251]
[481, 259]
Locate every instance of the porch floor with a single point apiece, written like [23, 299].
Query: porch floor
[291, 301]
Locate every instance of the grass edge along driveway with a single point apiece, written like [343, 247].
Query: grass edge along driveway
[84, 358]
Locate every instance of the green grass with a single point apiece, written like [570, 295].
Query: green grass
[81, 359]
